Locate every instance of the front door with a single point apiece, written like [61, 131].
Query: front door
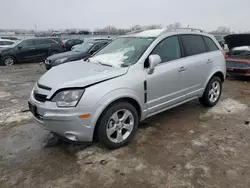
[25, 51]
[163, 85]
[196, 67]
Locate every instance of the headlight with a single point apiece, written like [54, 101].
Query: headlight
[68, 98]
[61, 60]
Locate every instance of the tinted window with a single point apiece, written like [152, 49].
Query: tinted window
[97, 47]
[193, 44]
[27, 43]
[7, 42]
[211, 46]
[44, 41]
[168, 49]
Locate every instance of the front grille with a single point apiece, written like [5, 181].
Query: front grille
[40, 97]
[235, 64]
[43, 87]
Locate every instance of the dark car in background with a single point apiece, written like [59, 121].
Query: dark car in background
[81, 51]
[69, 43]
[31, 50]
[238, 56]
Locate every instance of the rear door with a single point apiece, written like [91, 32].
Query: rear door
[25, 51]
[197, 66]
[42, 48]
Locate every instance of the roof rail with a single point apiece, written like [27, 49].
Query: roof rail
[135, 31]
[190, 29]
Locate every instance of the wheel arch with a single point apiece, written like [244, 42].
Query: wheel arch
[4, 56]
[217, 73]
[130, 99]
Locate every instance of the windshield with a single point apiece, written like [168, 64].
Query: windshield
[123, 52]
[15, 44]
[85, 47]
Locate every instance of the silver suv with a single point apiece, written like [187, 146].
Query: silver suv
[134, 77]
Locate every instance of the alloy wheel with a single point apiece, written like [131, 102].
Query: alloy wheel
[120, 126]
[214, 92]
[9, 61]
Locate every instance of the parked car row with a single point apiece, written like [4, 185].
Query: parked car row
[38, 49]
[30, 50]
[5, 43]
[130, 79]
[81, 51]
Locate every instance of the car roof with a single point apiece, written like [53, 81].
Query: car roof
[7, 40]
[160, 32]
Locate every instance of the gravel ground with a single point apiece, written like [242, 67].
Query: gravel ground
[188, 146]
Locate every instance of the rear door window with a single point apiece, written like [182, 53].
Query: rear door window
[168, 49]
[211, 46]
[193, 44]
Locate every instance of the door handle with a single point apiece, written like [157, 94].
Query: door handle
[32, 48]
[182, 69]
[209, 61]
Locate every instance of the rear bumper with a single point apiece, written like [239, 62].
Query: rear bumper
[238, 71]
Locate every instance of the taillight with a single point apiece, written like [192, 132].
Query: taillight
[224, 54]
[62, 44]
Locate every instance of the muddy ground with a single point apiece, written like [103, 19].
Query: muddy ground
[188, 146]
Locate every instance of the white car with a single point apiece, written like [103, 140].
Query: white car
[6, 43]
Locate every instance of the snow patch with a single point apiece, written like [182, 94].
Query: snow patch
[14, 114]
[228, 106]
[4, 94]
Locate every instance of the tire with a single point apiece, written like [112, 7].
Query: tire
[211, 96]
[123, 129]
[8, 61]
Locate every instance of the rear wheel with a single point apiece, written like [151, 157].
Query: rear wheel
[117, 125]
[8, 61]
[212, 92]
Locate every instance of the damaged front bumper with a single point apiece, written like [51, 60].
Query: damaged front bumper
[237, 68]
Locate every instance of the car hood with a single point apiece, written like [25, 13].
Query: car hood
[69, 54]
[2, 49]
[79, 74]
[237, 40]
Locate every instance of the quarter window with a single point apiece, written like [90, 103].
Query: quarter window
[168, 49]
[193, 44]
[211, 46]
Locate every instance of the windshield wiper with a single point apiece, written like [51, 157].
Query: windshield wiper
[99, 62]
[105, 64]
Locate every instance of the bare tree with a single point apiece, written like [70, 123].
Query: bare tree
[173, 26]
[223, 29]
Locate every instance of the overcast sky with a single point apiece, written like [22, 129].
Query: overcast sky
[62, 14]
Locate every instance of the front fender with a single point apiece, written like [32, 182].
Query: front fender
[112, 96]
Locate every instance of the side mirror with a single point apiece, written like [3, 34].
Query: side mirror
[20, 47]
[153, 61]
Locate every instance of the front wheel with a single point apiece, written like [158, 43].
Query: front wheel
[212, 92]
[8, 61]
[117, 125]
